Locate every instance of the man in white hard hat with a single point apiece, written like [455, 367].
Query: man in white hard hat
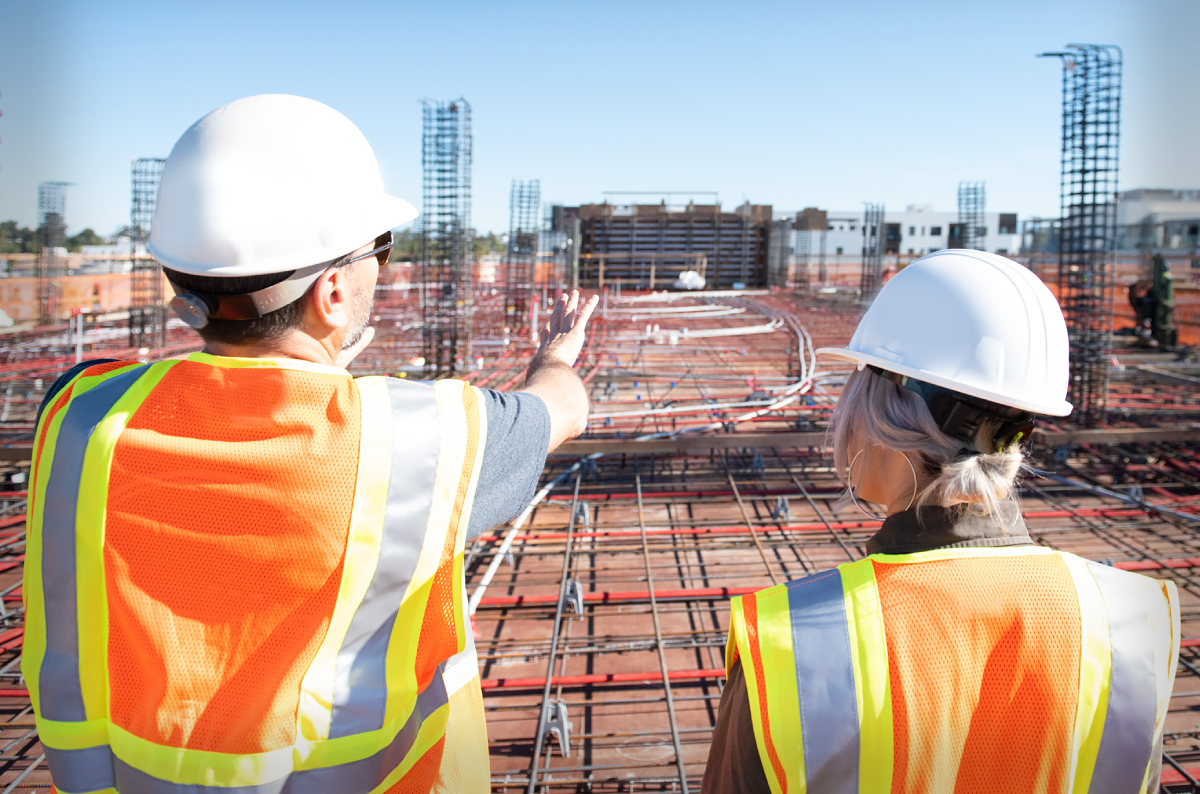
[244, 568]
[957, 656]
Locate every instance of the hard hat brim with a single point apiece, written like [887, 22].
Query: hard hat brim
[386, 213]
[1061, 408]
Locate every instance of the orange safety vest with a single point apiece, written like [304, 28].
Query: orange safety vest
[959, 670]
[245, 576]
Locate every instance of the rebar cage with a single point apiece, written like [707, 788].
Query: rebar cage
[446, 236]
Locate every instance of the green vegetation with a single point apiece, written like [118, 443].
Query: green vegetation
[407, 245]
[16, 239]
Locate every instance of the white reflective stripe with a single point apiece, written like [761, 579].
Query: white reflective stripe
[825, 683]
[1135, 606]
[360, 687]
[460, 669]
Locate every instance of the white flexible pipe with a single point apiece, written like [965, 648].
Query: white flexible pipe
[791, 394]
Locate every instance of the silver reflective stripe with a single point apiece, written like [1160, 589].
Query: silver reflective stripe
[360, 677]
[1128, 737]
[825, 684]
[101, 769]
[61, 694]
[80, 771]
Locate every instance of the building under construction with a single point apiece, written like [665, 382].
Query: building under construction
[600, 614]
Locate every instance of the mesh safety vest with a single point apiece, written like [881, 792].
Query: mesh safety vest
[1017, 669]
[245, 576]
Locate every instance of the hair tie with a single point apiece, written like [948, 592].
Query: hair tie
[967, 454]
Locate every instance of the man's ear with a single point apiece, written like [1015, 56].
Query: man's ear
[329, 299]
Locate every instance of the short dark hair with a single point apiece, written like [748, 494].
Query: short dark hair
[240, 332]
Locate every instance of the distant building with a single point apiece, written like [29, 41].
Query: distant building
[1154, 218]
[917, 230]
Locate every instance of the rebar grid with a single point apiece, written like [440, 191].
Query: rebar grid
[524, 206]
[713, 524]
[874, 235]
[51, 231]
[972, 204]
[1091, 135]
[447, 239]
[147, 313]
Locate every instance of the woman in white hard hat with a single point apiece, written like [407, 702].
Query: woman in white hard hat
[958, 656]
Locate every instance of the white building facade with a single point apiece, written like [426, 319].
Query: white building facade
[916, 230]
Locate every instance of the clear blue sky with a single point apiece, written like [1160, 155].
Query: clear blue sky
[790, 104]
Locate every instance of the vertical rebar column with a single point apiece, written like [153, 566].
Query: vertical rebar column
[803, 259]
[147, 314]
[447, 240]
[778, 250]
[1091, 118]
[872, 252]
[972, 203]
[52, 231]
[520, 260]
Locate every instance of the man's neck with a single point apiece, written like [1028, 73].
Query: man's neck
[296, 345]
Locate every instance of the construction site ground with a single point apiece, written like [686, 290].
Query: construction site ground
[601, 613]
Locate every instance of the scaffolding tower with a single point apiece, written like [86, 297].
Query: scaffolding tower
[52, 231]
[520, 259]
[972, 202]
[446, 236]
[562, 240]
[872, 252]
[1091, 118]
[147, 314]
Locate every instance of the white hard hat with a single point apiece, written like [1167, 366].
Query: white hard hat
[269, 184]
[972, 322]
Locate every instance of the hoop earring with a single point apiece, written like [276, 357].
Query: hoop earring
[850, 484]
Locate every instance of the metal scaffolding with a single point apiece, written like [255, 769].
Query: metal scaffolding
[972, 202]
[520, 259]
[872, 251]
[1091, 121]
[446, 236]
[562, 240]
[147, 314]
[52, 231]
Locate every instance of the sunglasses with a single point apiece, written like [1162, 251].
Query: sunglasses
[383, 247]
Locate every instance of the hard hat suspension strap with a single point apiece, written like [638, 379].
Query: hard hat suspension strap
[960, 416]
[197, 308]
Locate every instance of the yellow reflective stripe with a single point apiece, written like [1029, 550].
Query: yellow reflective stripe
[90, 515]
[432, 730]
[72, 735]
[740, 636]
[872, 682]
[959, 554]
[773, 628]
[779, 673]
[1095, 668]
[478, 406]
[233, 362]
[199, 767]
[34, 648]
[315, 711]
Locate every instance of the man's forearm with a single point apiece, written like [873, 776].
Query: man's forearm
[564, 394]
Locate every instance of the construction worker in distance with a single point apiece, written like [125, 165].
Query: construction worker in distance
[244, 568]
[957, 656]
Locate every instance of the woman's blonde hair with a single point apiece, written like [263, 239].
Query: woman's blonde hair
[874, 410]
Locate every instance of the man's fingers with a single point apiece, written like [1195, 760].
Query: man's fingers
[572, 305]
[584, 314]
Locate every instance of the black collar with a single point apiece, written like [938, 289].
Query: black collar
[958, 526]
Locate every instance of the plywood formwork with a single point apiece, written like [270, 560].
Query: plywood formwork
[647, 246]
